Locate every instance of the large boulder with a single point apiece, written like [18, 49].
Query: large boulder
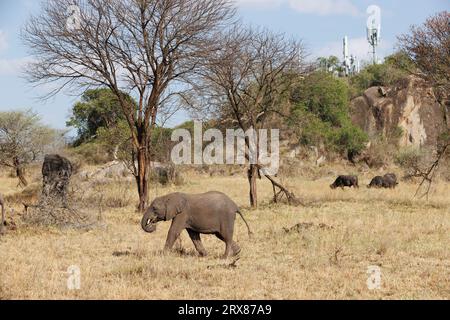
[411, 106]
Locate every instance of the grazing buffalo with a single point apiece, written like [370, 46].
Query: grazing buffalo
[377, 182]
[345, 181]
[389, 180]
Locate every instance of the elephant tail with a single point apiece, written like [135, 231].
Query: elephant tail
[250, 233]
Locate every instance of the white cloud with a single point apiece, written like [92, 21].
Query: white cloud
[319, 7]
[10, 67]
[358, 47]
[3, 41]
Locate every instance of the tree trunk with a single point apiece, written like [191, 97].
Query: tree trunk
[20, 173]
[142, 178]
[252, 176]
[21, 176]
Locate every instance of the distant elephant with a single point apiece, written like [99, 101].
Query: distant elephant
[2, 224]
[208, 213]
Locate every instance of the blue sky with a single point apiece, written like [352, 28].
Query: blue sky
[321, 24]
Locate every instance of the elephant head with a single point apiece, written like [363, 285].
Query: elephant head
[162, 209]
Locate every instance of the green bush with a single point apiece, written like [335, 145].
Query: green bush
[323, 95]
[92, 153]
[389, 73]
[350, 139]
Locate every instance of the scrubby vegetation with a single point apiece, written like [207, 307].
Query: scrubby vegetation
[320, 115]
[24, 140]
[391, 72]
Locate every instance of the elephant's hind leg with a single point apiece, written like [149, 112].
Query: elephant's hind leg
[236, 249]
[195, 237]
[231, 247]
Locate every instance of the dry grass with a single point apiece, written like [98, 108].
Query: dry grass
[409, 239]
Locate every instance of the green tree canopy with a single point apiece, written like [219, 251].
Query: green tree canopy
[98, 108]
[329, 63]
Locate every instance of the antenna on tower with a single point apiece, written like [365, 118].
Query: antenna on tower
[374, 29]
[346, 61]
[350, 63]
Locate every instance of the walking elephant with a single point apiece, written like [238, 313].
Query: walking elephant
[208, 213]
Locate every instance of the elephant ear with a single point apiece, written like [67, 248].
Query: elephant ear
[175, 204]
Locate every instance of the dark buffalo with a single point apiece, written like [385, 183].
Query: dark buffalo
[377, 182]
[345, 181]
[389, 180]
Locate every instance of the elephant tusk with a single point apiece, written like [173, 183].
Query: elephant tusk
[151, 220]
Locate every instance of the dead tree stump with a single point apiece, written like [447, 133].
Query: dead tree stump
[56, 206]
[56, 173]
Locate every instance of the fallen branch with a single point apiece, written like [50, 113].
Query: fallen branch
[277, 195]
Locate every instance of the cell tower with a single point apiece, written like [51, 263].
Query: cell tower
[346, 57]
[374, 29]
[350, 63]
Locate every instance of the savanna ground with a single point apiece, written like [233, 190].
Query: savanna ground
[408, 239]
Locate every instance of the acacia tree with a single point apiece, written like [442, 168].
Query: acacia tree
[144, 48]
[23, 140]
[428, 48]
[245, 81]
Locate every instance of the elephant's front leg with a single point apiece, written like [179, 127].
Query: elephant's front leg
[195, 237]
[178, 224]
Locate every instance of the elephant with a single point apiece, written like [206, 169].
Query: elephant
[2, 224]
[206, 213]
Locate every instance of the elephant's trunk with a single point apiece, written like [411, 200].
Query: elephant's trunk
[148, 222]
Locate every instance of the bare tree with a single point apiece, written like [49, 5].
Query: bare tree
[23, 140]
[428, 47]
[245, 81]
[145, 48]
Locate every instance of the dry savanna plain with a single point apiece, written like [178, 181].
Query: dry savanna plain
[322, 250]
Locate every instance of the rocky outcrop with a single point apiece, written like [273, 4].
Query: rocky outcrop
[411, 107]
